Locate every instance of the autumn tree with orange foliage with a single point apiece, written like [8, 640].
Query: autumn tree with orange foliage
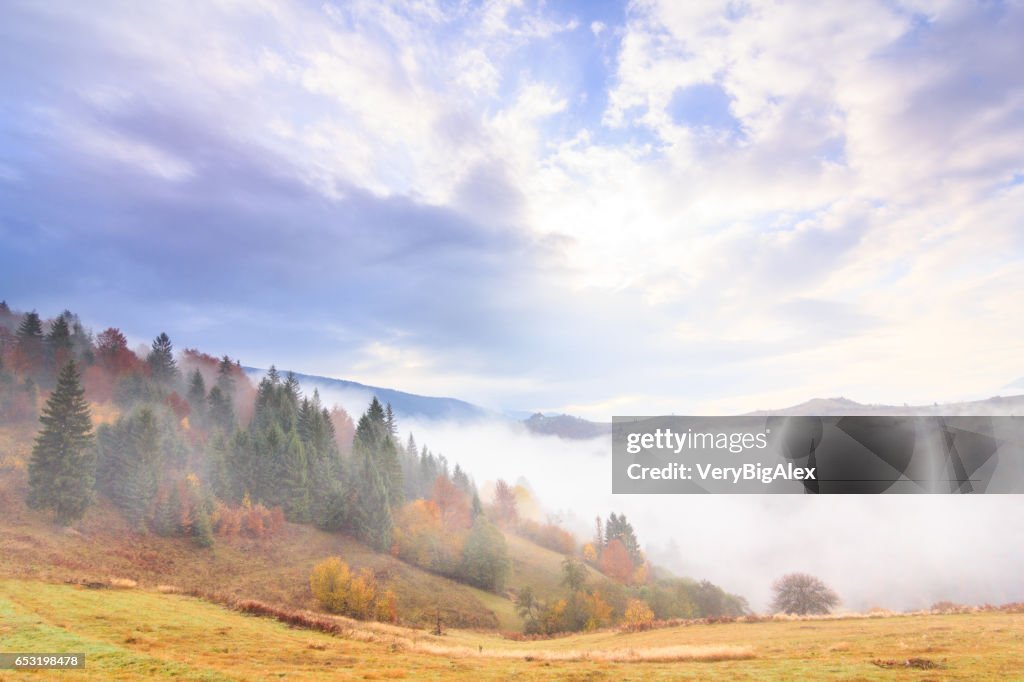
[452, 505]
[506, 508]
[616, 563]
[344, 429]
[420, 538]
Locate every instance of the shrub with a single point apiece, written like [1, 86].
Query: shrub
[251, 520]
[638, 616]
[340, 590]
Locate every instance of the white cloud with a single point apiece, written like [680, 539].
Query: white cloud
[848, 226]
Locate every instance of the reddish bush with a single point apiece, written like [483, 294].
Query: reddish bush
[178, 405]
[251, 520]
[548, 535]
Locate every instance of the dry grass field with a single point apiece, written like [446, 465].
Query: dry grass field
[131, 633]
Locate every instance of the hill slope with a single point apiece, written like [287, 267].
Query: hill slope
[275, 570]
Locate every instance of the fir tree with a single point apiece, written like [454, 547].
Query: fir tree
[429, 471]
[241, 464]
[410, 458]
[164, 522]
[391, 468]
[485, 561]
[172, 521]
[619, 528]
[161, 359]
[58, 342]
[129, 463]
[461, 480]
[197, 396]
[81, 340]
[389, 421]
[29, 344]
[217, 473]
[374, 441]
[225, 376]
[294, 483]
[372, 510]
[202, 530]
[221, 411]
[63, 465]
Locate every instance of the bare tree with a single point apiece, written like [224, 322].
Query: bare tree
[803, 594]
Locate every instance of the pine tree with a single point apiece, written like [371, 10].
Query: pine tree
[410, 458]
[288, 403]
[241, 463]
[225, 376]
[461, 480]
[373, 513]
[197, 397]
[392, 472]
[217, 473]
[202, 530]
[172, 521]
[374, 441]
[29, 345]
[161, 359]
[81, 340]
[375, 412]
[485, 561]
[389, 421]
[129, 463]
[164, 522]
[58, 343]
[294, 482]
[221, 412]
[63, 465]
[429, 471]
[619, 528]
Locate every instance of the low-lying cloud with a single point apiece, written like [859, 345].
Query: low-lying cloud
[891, 551]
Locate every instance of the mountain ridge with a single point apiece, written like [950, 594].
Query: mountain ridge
[571, 427]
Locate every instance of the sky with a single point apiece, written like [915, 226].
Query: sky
[587, 207]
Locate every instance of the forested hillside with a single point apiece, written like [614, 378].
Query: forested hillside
[182, 446]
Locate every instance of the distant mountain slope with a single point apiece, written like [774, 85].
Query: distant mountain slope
[566, 426]
[576, 428]
[997, 405]
[404, 404]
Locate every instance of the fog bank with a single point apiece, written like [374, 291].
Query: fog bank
[893, 551]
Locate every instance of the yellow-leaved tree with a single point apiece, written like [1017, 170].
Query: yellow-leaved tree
[638, 616]
[354, 594]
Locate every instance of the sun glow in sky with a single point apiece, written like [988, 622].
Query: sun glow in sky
[588, 207]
